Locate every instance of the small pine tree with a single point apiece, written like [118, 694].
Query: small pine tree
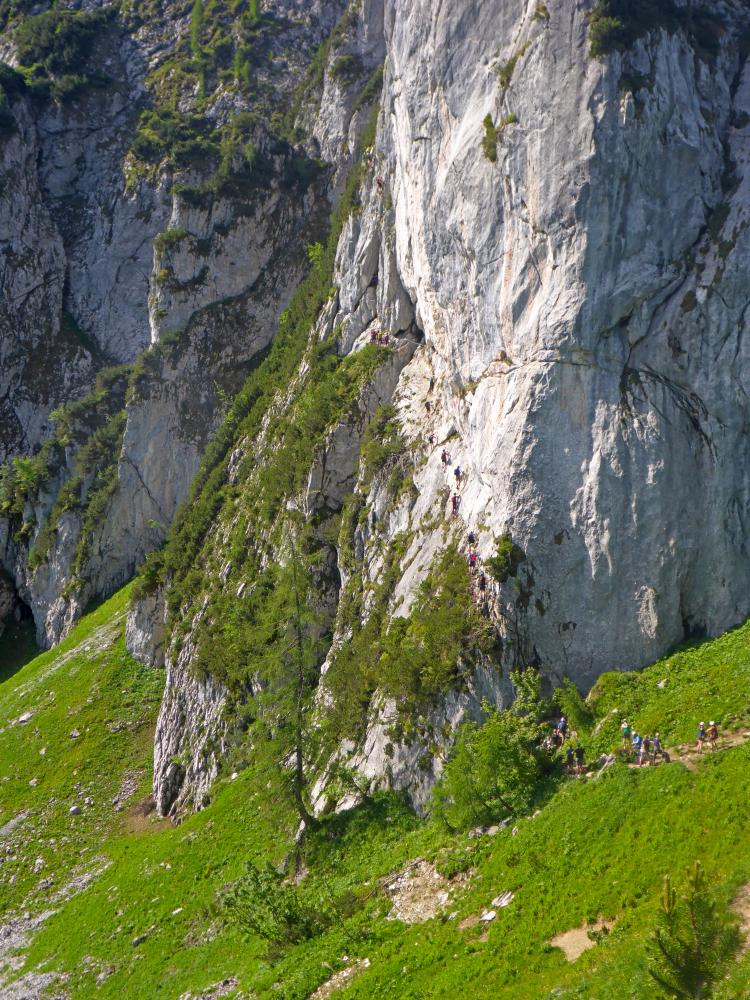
[693, 940]
[288, 651]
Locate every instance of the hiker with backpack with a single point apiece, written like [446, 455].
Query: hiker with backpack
[579, 755]
[636, 744]
[626, 733]
[569, 760]
[713, 734]
[457, 474]
[655, 748]
[702, 736]
[643, 750]
[456, 501]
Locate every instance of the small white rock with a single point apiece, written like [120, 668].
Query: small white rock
[24, 718]
[75, 810]
[34, 782]
[488, 916]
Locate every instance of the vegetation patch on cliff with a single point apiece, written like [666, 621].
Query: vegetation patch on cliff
[617, 24]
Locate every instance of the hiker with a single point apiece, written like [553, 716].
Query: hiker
[579, 758]
[482, 583]
[655, 748]
[427, 405]
[643, 750]
[636, 745]
[472, 560]
[456, 501]
[701, 736]
[380, 182]
[457, 474]
[373, 336]
[472, 538]
[627, 732]
[445, 457]
[713, 734]
[562, 726]
[570, 760]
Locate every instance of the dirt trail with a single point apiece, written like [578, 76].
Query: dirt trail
[689, 755]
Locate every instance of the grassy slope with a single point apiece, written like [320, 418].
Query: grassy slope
[595, 848]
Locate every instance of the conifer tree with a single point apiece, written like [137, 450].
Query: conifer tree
[693, 940]
[288, 640]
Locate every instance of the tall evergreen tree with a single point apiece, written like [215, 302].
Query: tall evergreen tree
[289, 649]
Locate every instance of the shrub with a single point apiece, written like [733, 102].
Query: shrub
[346, 68]
[540, 13]
[489, 141]
[56, 45]
[492, 773]
[506, 70]
[261, 903]
[507, 559]
[617, 24]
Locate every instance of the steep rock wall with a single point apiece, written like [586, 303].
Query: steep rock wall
[581, 302]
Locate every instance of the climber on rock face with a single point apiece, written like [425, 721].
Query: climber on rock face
[457, 474]
[472, 538]
[456, 502]
[472, 560]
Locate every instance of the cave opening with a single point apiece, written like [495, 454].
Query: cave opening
[18, 643]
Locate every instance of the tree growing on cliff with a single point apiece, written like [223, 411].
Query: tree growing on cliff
[693, 940]
[288, 639]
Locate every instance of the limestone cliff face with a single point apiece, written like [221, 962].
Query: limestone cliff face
[585, 291]
[581, 308]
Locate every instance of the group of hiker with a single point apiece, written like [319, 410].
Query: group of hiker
[574, 753]
[643, 749]
[649, 748]
[460, 478]
[380, 337]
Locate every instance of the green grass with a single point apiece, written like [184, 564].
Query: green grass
[596, 848]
